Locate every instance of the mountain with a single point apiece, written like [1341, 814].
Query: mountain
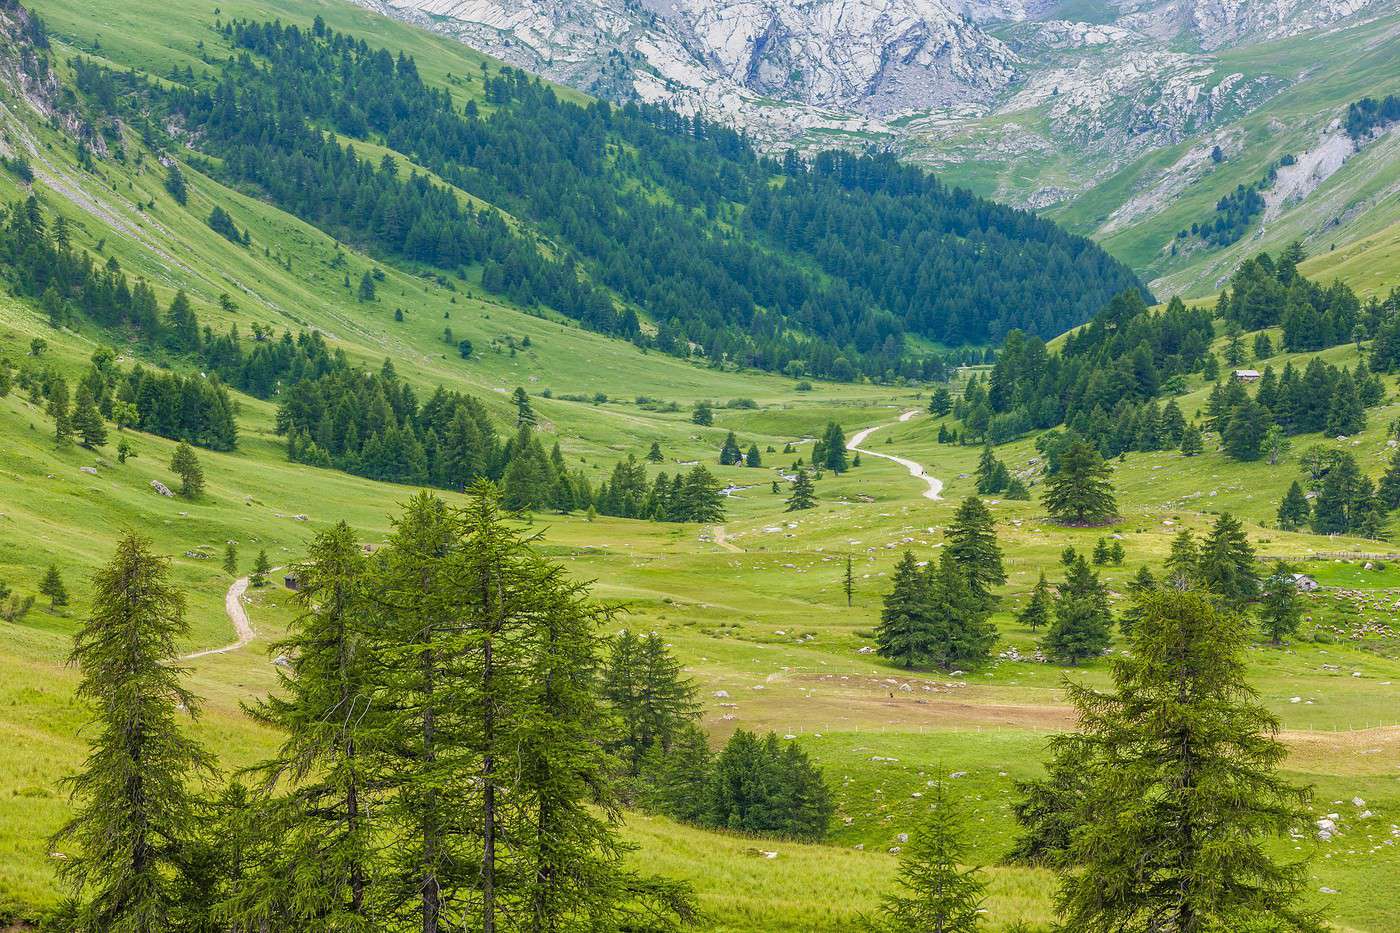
[1103, 113]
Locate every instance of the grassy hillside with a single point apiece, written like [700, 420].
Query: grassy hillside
[754, 611]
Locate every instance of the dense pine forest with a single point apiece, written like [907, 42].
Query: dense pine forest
[819, 267]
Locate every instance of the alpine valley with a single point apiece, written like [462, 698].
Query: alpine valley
[663, 465]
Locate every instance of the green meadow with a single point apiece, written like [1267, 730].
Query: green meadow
[753, 608]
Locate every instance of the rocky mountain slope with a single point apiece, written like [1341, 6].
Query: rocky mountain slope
[1070, 107]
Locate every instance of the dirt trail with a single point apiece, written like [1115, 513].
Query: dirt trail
[935, 485]
[722, 539]
[233, 605]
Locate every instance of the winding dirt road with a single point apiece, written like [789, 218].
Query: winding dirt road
[935, 485]
[233, 605]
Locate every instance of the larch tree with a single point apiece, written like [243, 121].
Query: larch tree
[136, 810]
[971, 540]
[1080, 492]
[184, 464]
[231, 558]
[904, 634]
[52, 587]
[935, 894]
[1281, 606]
[848, 580]
[1038, 610]
[317, 789]
[1174, 826]
[1082, 620]
[803, 492]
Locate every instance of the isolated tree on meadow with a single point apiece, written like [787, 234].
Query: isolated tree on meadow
[654, 455]
[753, 458]
[848, 581]
[941, 402]
[729, 452]
[1080, 492]
[904, 633]
[185, 464]
[124, 846]
[702, 414]
[261, 567]
[1183, 790]
[52, 587]
[803, 492]
[231, 558]
[935, 893]
[1281, 606]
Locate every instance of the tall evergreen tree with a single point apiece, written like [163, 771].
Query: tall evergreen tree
[1080, 492]
[650, 699]
[230, 558]
[136, 809]
[936, 893]
[524, 413]
[848, 581]
[87, 420]
[941, 402]
[1184, 791]
[904, 634]
[1281, 608]
[1037, 610]
[971, 541]
[1083, 621]
[834, 448]
[1191, 445]
[320, 872]
[185, 464]
[1294, 511]
[1183, 561]
[729, 452]
[803, 492]
[52, 587]
[261, 567]
[1226, 565]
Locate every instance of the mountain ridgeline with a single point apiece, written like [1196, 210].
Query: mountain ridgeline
[635, 221]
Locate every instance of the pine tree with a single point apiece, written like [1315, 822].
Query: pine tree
[184, 464]
[1281, 609]
[524, 414]
[1263, 346]
[676, 782]
[87, 420]
[322, 868]
[367, 290]
[971, 541]
[654, 454]
[1082, 622]
[1100, 552]
[1345, 414]
[936, 894]
[231, 558]
[941, 402]
[1143, 582]
[650, 699]
[729, 453]
[753, 458]
[175, 184]
[1226, 565]
[1037, 611]
[992, 476]
[700, 499]
[126, 843]
[1294, 511]
[803, 493]
[1191, 445]
[702, 415]
[58, 410]
[904, 634]
[261, 568]
[1079, 492]
[848, 582]
[1389, 488]
[1244, 431]
[52, 587]
[1183, 562]
[1183, 788]
[834, 448]
[959, 633]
